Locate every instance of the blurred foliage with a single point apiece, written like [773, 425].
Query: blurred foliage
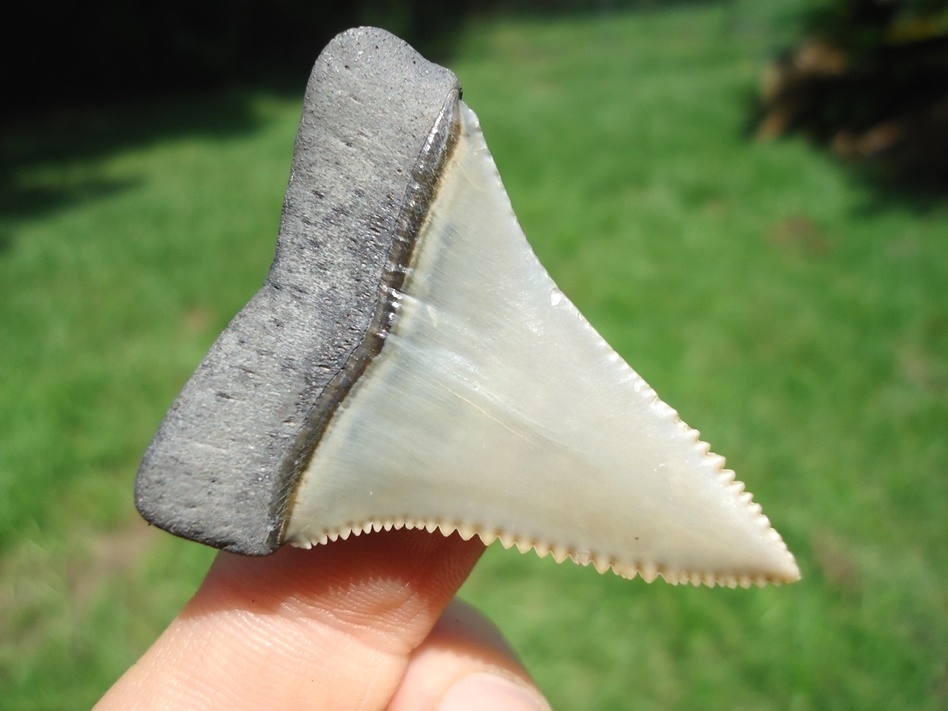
[864, 26]
[870, 80]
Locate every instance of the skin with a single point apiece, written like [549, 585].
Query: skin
[366, 623]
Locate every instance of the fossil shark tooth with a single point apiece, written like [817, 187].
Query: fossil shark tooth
[409, 362]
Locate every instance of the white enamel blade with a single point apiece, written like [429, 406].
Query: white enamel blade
[495, 409]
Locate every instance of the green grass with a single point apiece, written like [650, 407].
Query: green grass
[794, 313]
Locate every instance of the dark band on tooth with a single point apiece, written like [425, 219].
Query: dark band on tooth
[421, 191]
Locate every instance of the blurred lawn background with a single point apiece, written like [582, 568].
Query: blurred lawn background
[795, 314]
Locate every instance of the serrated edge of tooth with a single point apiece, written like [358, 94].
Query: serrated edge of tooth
[646, 570]
[649, 572]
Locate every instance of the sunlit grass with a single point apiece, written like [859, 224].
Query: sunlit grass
[793, 313]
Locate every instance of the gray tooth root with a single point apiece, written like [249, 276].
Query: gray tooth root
[224, 463]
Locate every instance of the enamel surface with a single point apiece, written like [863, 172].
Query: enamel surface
[495, 409]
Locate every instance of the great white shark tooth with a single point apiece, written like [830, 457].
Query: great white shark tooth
[409, 363]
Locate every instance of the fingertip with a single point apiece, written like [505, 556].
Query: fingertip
[482, 690]
[466, 663]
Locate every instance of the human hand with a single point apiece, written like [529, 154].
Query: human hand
[365, 623]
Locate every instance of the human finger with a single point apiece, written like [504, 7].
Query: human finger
[332, 627]
[465, 664]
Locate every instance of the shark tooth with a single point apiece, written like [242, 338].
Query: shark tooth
[409, 363]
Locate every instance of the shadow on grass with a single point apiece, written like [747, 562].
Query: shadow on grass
[34, 150]
[34, 147]
[922, 197]
[885, 184]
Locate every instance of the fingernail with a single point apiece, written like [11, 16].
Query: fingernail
[480, 691]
